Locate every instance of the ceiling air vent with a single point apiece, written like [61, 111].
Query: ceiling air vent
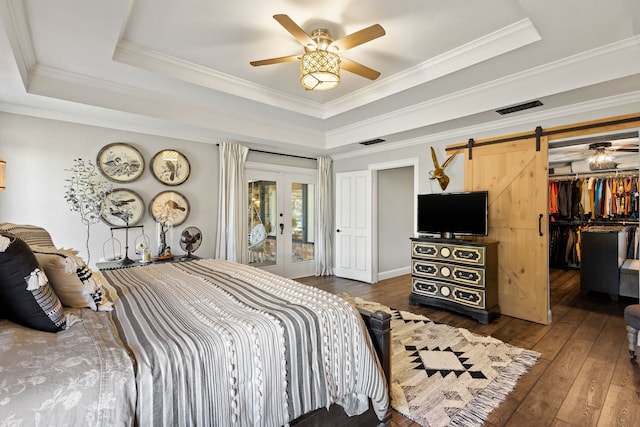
[525, 106]
[373, 141]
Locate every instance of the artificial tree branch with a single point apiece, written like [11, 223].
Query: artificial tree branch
[86, 194]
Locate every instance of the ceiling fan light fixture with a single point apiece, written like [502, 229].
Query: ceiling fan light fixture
[601, 160]
[320, 70]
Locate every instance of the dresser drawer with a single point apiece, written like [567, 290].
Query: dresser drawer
[449, 291]
[460, 253]
[442, 270]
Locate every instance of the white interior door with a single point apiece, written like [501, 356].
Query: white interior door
[353, 226]
[282, 221]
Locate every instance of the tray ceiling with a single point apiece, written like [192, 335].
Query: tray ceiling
[182, 69]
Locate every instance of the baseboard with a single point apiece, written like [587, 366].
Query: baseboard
[394, 273]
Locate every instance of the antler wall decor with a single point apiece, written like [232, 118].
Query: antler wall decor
[438, 173]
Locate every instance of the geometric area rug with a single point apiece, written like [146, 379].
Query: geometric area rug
[447, 376]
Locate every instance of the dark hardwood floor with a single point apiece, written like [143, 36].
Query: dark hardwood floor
[584, 377]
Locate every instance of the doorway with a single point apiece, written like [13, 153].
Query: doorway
[394, 215]
[369, 230]
[281, 220]
[600, 167]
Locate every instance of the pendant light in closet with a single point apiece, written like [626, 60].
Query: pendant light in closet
[601, 159]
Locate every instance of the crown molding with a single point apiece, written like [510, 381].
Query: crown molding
[586, 68]
[15, 21]
[64, 85]
[138, 56]
[511, 37]
[492, 128]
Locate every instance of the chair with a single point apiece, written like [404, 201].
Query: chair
[632, 318]
[257, 239]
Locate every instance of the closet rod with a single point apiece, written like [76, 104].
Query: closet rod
[607, 174]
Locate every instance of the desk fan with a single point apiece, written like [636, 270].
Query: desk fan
[190, 240]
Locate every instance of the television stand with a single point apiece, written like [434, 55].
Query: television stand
[456, 275]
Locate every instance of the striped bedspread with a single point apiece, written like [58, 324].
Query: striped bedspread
[220, 344]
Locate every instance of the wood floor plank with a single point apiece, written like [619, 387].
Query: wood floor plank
[585, 400]
[539, 407]
[627, 371]
[621, 408]
[555, 338]
[565, 367]
[504, 412]
[591, 325]
[606, 347]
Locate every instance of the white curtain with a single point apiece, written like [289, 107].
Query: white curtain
[232, 230]
[324, 215]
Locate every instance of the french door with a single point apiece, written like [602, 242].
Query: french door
[281, 220]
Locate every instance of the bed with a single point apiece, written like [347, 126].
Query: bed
[203, 342]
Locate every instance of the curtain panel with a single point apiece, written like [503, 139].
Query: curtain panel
[232, 229]
[324, 215]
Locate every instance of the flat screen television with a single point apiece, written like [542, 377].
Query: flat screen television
[451, 214]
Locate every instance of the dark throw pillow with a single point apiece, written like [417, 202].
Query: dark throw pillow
[26, 297]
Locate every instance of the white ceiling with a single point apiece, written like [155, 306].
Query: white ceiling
[182, 68]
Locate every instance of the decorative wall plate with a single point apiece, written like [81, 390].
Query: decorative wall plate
[120, 162]
[170, 167]
[169, 206]
[123, 207]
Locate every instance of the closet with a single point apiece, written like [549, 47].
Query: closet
[577, 203]
[593, 214]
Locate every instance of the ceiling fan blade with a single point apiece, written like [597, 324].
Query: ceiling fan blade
[359, 69]
[295, 30]
[358, 38]
[275, 60]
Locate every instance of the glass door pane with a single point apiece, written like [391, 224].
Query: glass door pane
[263, 222]
[302, 222]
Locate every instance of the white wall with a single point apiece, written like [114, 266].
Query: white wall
[38, 151]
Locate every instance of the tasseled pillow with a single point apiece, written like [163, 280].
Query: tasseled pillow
[72, 279]
[25, 294]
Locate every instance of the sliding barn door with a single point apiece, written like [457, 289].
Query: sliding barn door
[516, 176]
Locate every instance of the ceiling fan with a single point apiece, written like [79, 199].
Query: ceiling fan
[602, 157]
[320, 64]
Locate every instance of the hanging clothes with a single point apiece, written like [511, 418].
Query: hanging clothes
[564, 245]
[594, 198]
[553, 197]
